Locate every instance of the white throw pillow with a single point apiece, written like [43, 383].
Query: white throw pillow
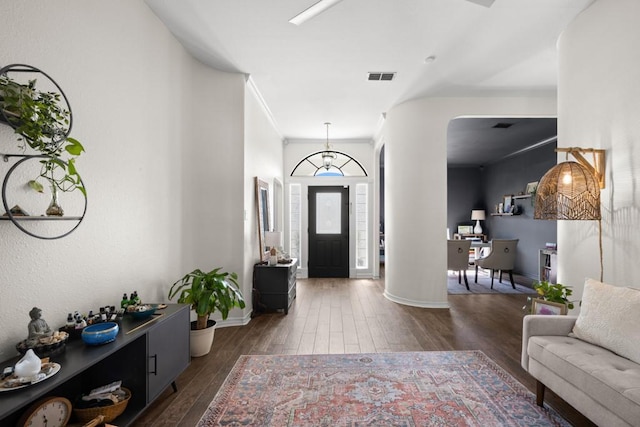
[610, 317]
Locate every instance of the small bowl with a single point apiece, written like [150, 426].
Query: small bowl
[100, 333]
[144, 313]
[43, 350]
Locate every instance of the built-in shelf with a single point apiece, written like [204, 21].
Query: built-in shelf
[548, 264]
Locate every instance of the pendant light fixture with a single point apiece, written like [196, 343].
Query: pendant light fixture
[328, 155]
[571, 190]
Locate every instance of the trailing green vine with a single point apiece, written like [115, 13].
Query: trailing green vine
[43, 124]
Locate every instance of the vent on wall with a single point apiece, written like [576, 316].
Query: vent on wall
[378, 76]
[502, 125]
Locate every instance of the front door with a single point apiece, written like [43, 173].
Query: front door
[329, 231]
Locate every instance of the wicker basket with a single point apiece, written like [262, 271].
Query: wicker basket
[110, 412]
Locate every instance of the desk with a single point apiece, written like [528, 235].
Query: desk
[470, 235]
[478, 246]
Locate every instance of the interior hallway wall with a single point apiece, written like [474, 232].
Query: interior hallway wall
[599, 106]
[127, 99]
[213, 191]
[263, 157]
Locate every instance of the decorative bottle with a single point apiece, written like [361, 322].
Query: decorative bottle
[125, 301]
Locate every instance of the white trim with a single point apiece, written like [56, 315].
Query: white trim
[414, 303]
[263, 104]
[234, 321]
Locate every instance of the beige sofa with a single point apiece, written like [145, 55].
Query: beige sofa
[592, 361]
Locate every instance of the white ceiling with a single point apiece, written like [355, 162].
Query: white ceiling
[317, 72]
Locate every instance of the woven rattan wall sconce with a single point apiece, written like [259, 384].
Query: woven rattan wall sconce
[571, 190]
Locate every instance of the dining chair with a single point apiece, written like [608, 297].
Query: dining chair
[502, 258]
[458, 258]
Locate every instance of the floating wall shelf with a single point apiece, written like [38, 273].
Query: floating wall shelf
[58, 141]
[16, 219]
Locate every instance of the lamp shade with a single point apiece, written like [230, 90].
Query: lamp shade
[478, 215]
[272, 239]
[568, 191]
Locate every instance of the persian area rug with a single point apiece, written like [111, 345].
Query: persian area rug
[484, 284]
[440, 388]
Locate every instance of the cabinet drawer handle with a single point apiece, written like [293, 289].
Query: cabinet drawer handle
[155, 364]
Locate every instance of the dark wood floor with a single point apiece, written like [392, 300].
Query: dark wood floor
[352, 316]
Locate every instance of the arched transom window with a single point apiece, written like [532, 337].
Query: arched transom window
[342, 165]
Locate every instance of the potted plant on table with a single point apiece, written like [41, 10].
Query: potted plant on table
[207, 292]
[553, 292]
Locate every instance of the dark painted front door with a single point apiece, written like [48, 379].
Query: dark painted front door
[328, 231]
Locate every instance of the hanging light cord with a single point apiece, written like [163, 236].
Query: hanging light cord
[600, 243]
[599, 232]
[327, 143]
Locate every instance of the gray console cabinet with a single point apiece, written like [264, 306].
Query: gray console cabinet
[147, 355]
[276, 285]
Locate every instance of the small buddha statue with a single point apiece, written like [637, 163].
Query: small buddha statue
[38, 327]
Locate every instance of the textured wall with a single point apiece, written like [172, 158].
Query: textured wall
[599, 108]
[130, 85]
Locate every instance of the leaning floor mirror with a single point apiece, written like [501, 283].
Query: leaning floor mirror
[262, 210]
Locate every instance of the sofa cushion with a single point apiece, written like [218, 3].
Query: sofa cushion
[609, 379]
[609, 317]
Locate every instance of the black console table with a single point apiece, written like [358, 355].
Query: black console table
[276, 285]
[147, 355]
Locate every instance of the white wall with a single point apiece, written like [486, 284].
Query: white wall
[213, 164]
[263, 158]
[164, 165]
[599, 106]
[123, 73]
[415, 138]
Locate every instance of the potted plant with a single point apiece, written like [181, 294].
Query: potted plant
[207, 292]
[43, 123]
[554, 292]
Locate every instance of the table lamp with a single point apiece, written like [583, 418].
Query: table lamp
[477, 215]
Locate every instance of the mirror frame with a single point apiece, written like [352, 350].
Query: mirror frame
[262, 212]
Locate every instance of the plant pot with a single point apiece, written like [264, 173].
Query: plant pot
[202, 339]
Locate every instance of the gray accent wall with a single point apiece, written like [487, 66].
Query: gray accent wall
[464, 193]
[483, 188]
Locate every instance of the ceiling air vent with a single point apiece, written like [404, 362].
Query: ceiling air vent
[502, 125]
[378, 76]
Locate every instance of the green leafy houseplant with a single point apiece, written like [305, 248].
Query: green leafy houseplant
[554, 292]
[43, 123]
[208, 292]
